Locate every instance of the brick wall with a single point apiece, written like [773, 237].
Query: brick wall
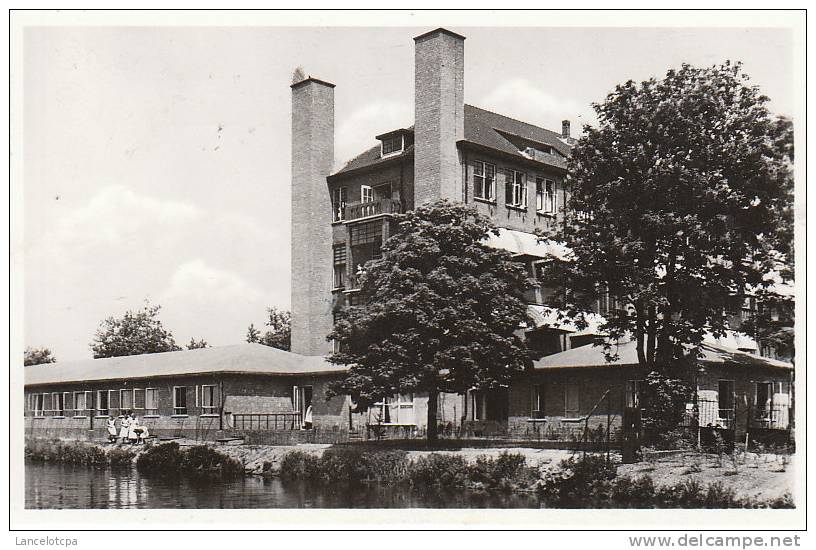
[438, 115]
[312, 161]
[508, 217]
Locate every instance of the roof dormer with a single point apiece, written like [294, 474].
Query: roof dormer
[395, 142]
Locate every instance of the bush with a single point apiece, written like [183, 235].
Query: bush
[300, 465]
[386, 466]
[579, 483]
[508, 471]
[120, 458]
[204, 461]
[633, 493]
[438, 470]
[161, 460]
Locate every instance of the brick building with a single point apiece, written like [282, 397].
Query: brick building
[508, 169]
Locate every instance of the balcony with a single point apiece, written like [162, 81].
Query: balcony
[380, 207]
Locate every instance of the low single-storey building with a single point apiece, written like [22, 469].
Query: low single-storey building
[268, 395]
[212, 393]
[579, 388]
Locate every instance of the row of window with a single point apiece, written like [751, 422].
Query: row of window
[764, 402]
[115, 402]
[515, 188]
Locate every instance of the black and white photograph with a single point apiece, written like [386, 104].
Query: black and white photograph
[272, 267]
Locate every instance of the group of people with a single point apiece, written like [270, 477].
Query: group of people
[130, 431]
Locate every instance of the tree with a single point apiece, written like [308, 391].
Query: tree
[440, 312]
[678, 209]
[197, 344]
[279, 334]
[135, 333]
[37, 356]
[253, 335]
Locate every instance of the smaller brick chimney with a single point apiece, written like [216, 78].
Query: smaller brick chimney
[565, 129]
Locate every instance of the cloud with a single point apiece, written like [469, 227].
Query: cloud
[213, 271]
[519, 98]
[355, 133]
[199, 281]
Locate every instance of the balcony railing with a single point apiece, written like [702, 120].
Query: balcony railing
[359, 210]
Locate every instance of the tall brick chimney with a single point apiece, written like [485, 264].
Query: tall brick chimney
[439, 114]
[565, 129]
[312, 162]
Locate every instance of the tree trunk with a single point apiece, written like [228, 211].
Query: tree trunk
[433, 401]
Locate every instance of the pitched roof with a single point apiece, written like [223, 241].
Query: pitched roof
[483, 128]
[488, 129]
[240, 358]
[593, 356]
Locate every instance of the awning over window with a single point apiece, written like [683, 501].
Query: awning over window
[520, 243]
[547, 317]
[258, 404]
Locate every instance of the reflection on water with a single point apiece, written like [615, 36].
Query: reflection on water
[66, 486]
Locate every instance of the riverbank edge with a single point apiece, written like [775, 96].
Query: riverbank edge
[264, 460]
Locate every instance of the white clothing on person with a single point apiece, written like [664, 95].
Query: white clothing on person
[132, 429]
[111, 427]
[123, 431]
[308, 416]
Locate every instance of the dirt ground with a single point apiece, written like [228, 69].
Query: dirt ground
[763, 476]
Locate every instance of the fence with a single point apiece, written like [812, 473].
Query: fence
[266, 421]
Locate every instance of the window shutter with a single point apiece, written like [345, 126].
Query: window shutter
[196, 396]
[295, 398]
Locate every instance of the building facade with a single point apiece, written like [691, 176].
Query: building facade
[509, 170]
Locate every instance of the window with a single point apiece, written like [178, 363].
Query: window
[366, 193]
[398, 409]
[80, 404]
[39, 404]
[537, 405]
[339, 265]
[113, 402]
[339, 204]
[484, 181]
[126, 399]
[515, 189]
[301, 401]
[209, 402]
[546, 201]
[138, 399]
[102, 402]
[179, 400]
[58, 399]
[725, 397]
[571, 400]
[151, 402]
[634, 391]
[392, 145]
[764, 402]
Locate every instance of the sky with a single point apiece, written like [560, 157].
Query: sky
[156, 160]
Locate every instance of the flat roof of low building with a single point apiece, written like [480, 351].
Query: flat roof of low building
[239, 358]
[593, 356]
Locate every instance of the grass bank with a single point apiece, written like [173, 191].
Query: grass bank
[575, 482]
[76, 452]
[166, 459]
